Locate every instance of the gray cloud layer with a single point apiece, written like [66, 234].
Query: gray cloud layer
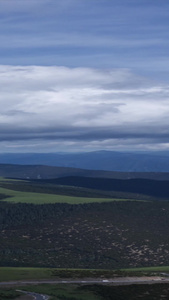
[131, 34]
[81, 108]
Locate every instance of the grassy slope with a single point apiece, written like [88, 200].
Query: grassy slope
[95, 292]
[9, 294]
[8, 273]
[41, 198]
[103, 292]
[12, 273]
[65, 292]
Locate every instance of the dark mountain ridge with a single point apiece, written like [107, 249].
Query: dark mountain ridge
[47, 172]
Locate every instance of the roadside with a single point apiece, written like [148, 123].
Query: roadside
[83, 281]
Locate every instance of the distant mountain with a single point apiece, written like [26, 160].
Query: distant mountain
[99, 160]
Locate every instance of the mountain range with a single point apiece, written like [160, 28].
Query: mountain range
[97, 160]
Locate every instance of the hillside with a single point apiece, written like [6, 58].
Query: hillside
[91, 232]
[48, 172]
[84, 187]
[154, 188]
[106, 235]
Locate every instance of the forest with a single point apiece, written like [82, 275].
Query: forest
[118, 234]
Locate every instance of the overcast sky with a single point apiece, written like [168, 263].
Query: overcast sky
[84, 75]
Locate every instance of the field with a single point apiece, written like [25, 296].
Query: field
[11, 273]
[59, 292]
[93, 292]
[16, 191]
[42, 198]
[103, 292]
[9, 294]
[148, 269]
[66, 292]
[8, 273]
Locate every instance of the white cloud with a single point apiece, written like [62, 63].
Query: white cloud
[81, 105]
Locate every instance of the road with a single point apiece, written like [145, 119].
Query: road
[114, 281]
[35, 295]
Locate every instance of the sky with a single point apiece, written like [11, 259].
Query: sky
[84, 75]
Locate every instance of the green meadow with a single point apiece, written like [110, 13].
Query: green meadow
[21, 273]
[10, 273]
[65, 292]
[148, 269]
[41, 198]
[103, 292]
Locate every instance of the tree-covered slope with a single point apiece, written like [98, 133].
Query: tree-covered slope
[154, 188]
[105, 235]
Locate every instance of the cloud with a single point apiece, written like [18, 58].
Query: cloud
[8, 6]
[81, 106]
[86, 33]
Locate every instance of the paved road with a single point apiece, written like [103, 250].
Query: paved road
[114, 281]
[35, 295]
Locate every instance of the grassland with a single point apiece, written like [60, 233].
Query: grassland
[65, 292]
[11, 273]
[84, 291]
[94, 292]
[42, 198]
[103, 292]
[148, 269]
[9, 294]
